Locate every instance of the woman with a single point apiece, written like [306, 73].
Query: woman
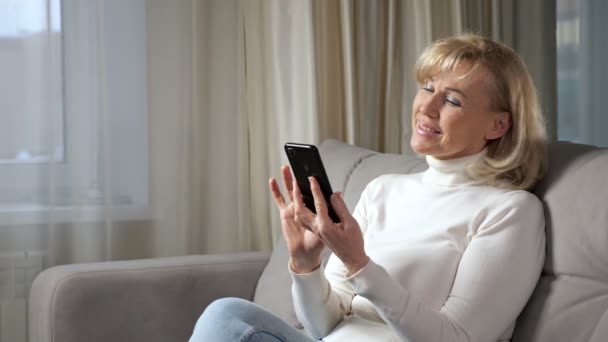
[450, 254]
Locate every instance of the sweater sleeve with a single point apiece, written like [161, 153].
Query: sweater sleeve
[319, 307]
[496, 275]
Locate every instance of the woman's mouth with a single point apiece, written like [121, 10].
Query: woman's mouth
[426, 130]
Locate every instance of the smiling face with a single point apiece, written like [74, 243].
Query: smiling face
[453, 116]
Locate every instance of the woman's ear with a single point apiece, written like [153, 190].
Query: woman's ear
[501, 122]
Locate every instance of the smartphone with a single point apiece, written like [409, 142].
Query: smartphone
[306, 161]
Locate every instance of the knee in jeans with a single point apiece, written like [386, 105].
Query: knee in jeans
[219, 315]
[226, 307]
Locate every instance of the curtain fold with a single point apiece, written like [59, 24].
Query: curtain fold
[360, 72]
[199, 130]
[280, 97]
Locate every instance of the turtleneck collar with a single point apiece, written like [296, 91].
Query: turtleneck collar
[451, 172]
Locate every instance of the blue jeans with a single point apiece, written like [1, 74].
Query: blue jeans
[234, 319]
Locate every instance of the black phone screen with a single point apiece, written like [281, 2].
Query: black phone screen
[305, 161]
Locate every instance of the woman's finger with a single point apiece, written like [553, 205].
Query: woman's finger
[340, 207]
[287, 180]
[304, 215]
[276, 193]
[319, 199]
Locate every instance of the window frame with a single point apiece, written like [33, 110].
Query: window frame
[103, 172]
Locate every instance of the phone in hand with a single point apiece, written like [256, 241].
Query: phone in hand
[306, 161]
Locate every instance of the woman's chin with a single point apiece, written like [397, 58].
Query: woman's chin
[421, 147]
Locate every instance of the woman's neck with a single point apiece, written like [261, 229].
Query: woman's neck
[451, 172]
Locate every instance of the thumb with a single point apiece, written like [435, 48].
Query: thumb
[340, 207]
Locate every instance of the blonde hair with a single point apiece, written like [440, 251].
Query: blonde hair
[518, 159]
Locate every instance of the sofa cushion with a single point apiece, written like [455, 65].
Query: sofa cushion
[563, 308]
[570, 302]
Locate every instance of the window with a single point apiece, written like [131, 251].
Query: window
[582, 71]
[75, 133]
[30, 46]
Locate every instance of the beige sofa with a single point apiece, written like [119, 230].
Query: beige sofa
[160, 299]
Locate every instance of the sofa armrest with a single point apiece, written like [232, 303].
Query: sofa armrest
[139, 300]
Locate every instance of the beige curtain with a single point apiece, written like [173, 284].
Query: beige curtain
[199, 130]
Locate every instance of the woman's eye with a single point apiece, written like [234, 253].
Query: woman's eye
[452, 101]
[428, 89]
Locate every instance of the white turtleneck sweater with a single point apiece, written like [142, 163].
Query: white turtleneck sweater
[450, 260]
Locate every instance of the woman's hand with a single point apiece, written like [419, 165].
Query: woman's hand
[304, 246]
[345, 239]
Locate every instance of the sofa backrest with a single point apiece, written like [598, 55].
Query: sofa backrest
[570, 302]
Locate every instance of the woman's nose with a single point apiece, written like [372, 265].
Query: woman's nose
[430, 107]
